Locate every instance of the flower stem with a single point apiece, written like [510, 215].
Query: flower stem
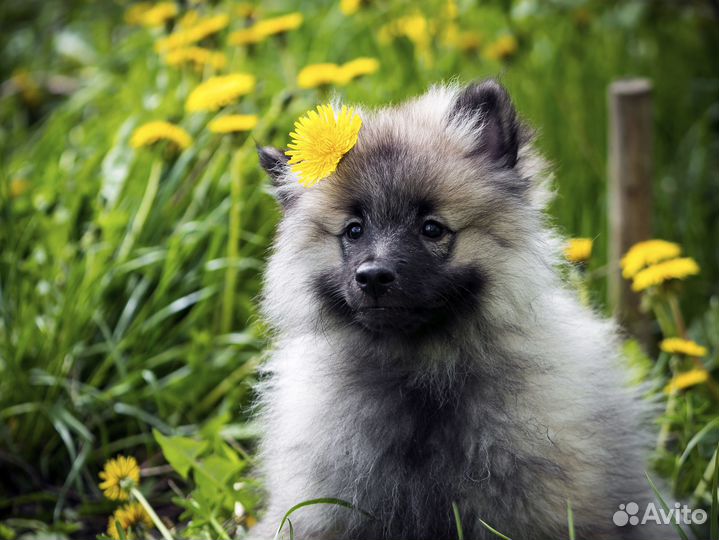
[155, 518]
[677, 315]
[153, 184]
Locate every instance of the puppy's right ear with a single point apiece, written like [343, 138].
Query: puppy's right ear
[274, 162]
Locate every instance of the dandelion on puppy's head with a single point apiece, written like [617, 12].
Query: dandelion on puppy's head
[119, 476]
[682, 346]
[219, 91]
[152, 132]
[130, 517]
[320, 140]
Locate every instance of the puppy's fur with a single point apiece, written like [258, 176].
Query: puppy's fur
[474, 376]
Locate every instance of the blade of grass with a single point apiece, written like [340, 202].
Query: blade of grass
[153, 184]
[311, 502]
[494, 531]
[458, 521]
[665, 506]
[570, 521]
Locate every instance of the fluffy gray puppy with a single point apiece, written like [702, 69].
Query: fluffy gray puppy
[428, 353]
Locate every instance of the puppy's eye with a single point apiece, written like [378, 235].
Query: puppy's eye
[433, 230]
[354, 231]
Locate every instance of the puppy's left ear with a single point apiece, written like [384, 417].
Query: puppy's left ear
[274, 162]
[487, 106]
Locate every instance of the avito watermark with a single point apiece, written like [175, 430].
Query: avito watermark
[628, 514]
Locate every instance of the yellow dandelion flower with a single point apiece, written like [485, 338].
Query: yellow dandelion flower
[18, 186]
[470, 41]
[189, 19]
[451, 9]
[152, 132]
[233, 123]
[502, 48]
[26, 85]
[464, 41]
[646, 253]
[217, 92]
[130, 517]
[119, 476]
[357, 68]
[683, 346]
[350, 7]
[321, 138]
[266, 28]
[246, 10]
[664, 271]
[133, 14]
[246, 36]
[158, 14]
[279, 25]
[197, 56]
[687, 379]
[578, 250]
[198, 32]
[414, 27]
[316, 75]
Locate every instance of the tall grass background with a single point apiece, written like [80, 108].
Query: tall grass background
[117, 319]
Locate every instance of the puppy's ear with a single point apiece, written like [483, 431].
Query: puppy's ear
[274, 162]
[486, 106]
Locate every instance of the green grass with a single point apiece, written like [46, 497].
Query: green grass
[128, 279]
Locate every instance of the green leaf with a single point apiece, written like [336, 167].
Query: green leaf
[180, 452]
[214, 476]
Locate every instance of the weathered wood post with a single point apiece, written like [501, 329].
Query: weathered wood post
[630, 191]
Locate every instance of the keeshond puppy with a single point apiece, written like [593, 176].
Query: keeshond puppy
[427, 352]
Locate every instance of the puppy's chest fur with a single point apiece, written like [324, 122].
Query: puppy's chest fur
[406, 448]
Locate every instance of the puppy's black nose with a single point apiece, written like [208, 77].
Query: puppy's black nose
[374, 278]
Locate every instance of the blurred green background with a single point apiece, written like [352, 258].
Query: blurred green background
[111, 325]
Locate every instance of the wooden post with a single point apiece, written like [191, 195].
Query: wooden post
[630, 192]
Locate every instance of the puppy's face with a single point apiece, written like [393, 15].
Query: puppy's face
[402, 239]
[396, 271]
